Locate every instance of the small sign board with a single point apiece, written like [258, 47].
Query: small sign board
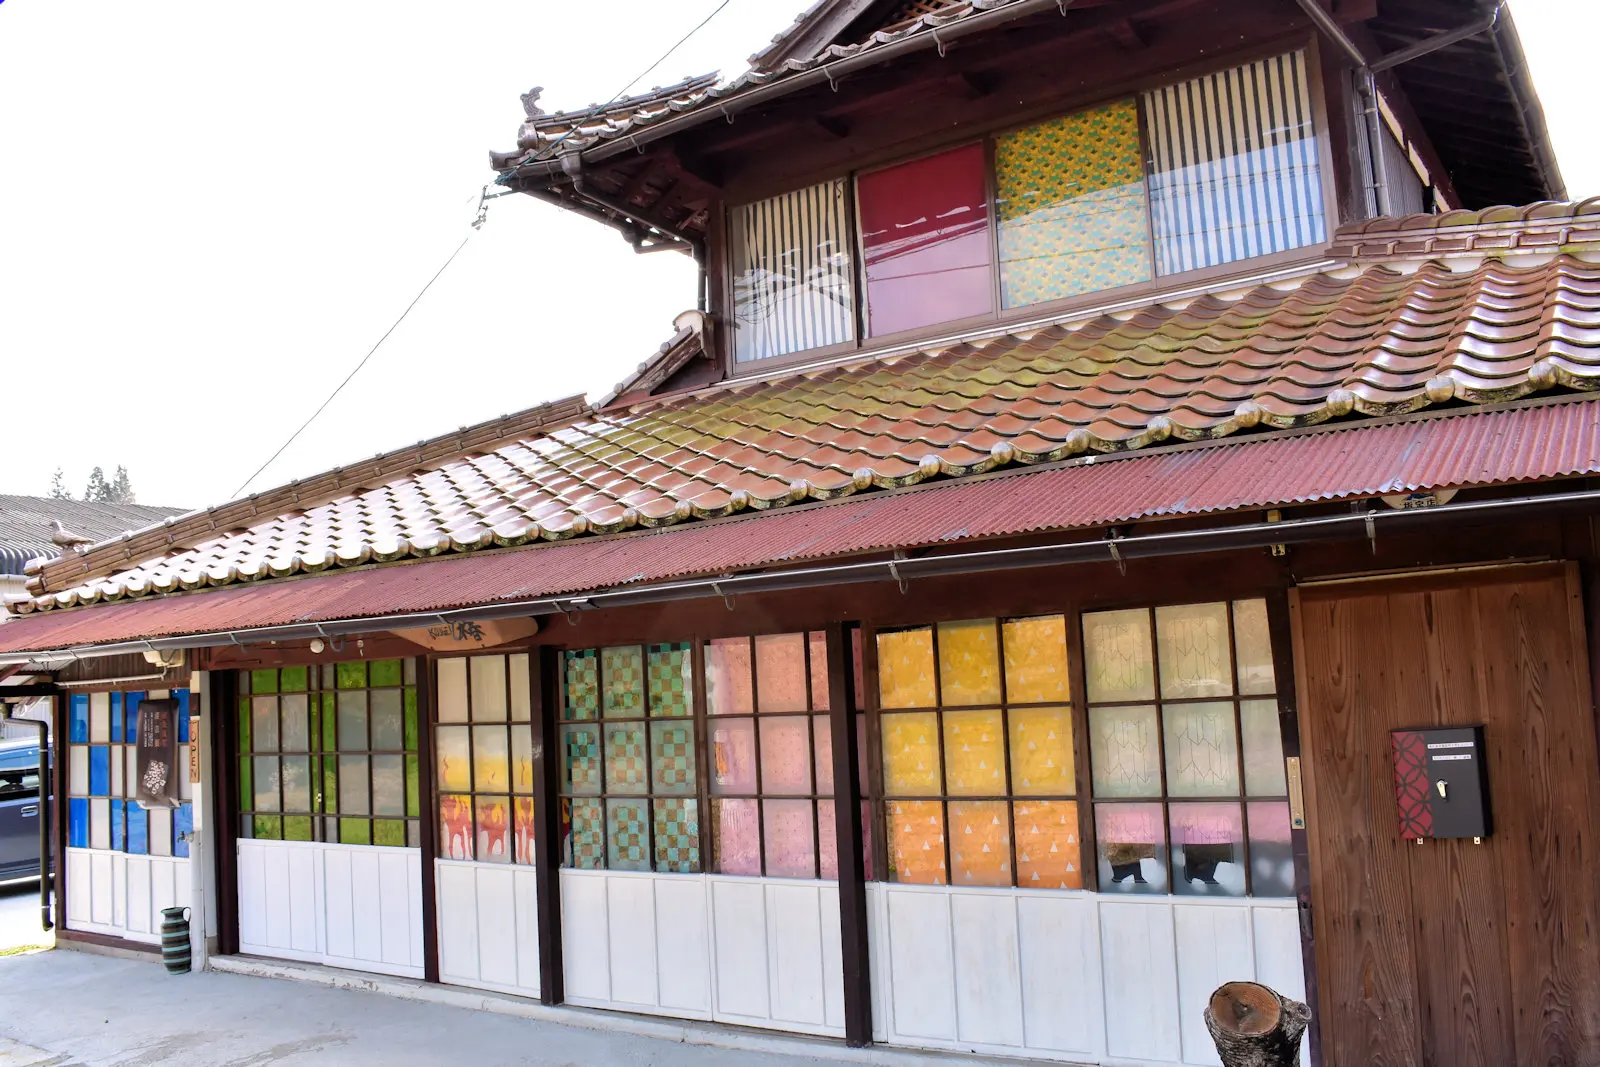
[1440, 782]
[157, 755]
[194, 750]
[468, 635]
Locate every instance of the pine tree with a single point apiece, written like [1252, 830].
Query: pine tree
[58, 486]
[121, 487]
[98, 491]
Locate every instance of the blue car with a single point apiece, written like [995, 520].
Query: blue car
[20, 810]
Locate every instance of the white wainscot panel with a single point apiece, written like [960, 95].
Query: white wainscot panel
[355, 906]
[1067, 975]
[757, 952]
[122, 895]
[488, 926]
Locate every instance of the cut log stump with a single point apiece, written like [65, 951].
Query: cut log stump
[1254, 1026]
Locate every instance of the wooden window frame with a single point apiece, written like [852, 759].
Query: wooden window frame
[119, 752]
[471, 724]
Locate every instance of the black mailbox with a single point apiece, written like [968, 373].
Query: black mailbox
[1441, 785]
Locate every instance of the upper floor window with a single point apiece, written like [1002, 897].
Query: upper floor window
[1191, 176]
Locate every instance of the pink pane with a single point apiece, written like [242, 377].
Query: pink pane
[737, 844]
[791, 851]
[785, 755]
[733, 756]
[925, 235]
[827, 840]
[728, 687]
[822, 741]
[781, 672]
[524, 820]
[819, 670]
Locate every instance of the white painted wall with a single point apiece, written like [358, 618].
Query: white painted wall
[122, 895]
[355, 906]
[1068, 975]
[753, 951]
[488, 926]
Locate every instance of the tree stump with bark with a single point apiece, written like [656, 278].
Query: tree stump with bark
[1254, 1026]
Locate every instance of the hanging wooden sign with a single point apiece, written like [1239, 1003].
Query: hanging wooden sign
[194, 750]
[157, 756]
[470, 636]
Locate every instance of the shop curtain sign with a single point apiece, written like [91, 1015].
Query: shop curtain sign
[158, 754]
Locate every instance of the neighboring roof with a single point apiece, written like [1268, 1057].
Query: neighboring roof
[1476, 308]
[26, 523]
[1422, 452]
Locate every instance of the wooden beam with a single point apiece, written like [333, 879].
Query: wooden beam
[979, 83]
[1127, 35]
[833, 127]
[855, 953]
[545, 680]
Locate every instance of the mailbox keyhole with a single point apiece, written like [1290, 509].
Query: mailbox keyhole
[1440, 786]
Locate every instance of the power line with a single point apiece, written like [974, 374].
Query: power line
[340, 388]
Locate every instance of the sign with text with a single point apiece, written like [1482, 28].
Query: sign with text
[157, 758]
[470, 636]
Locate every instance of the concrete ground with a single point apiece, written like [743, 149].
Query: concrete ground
[19, 915]
[72, 1009]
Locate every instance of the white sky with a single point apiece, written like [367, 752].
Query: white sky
[209, 212]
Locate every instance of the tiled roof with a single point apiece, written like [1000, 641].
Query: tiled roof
[26, 523]
[1489, 323]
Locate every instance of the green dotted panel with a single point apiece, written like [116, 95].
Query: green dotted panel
[622, 670]
[580, 759]
[627, 835]
[672, 757]
[627, 767]
[677, 835]
[587, 827]
[671, 684]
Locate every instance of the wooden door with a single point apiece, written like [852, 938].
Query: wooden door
[1450, 953]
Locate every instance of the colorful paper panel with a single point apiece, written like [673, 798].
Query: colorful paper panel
[388, 785]
[1125, 752]
[789, 826]
[1252, 647]
[828, 839]
[384, 672]
[905, 669]
[389, 832]
[1041, 752]
[1202, 750]
[100, 770]
[672, 762]
[669, 671]
[822, 748]
[581, 673]
[580, 763]
[1192, 641]
[1048, 854]
[974, 754]
[786, 755]
[736, 841]
[522, 758]
[729, 687]
[910, 754]
[491, 759]
[622, 682]
[452, 689]
[1117, 655]
[793, 276]
[980, 842]
[586, 834]
[627, 763]
[487, 675]
[522, 814]
[677, 835]
[351, 675]
[454, 756]
[78, 815]
[1036, 660]
[1207, 850]
[781, 672]
[969, 663]
[916, 842]
[1132, 842]
[1271, 857]
[817, 643]
[733, 754]
[627, 835]
[493, 822]
[78, 716]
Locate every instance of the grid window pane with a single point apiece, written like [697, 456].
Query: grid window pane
[980, 842]
[352, 719]
[627, 835]
[736, 836]
[670, 672]
[672, 761]
[1117, 658]
[1192, 640]
[1271, 853]
[916, 842]
[1125, 751]
[453, 746]
[493, 818]
[354, 772]
[793, 286]
[1208, 849]
[729, 687]
[1252, 646]
[264, 724]
[969, 663]
[581, 671]
[622, 682]
[388, 785]
[905, 669]
[580, 764]
[786, 755]
[489, 696]
[627, 764]
[296, 723]
[586, 833]
[788, 827]
[781, 672]
[1132, 842]
[1202, 750]
[974, 753]
[1048, 854]
[911, 754]
[677, 835]
[522, 759]
[733, 750]
[1042, 761]
[455, 827]
[1036, 660]
[522, 814]
[1264, 774]
[491, 759]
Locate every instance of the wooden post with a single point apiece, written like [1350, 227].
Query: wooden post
[1254, 1026]
[428, 814]
[546, 672]
[223, 837]
[847, 822]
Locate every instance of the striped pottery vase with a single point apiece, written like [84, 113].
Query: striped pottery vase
[175, 940]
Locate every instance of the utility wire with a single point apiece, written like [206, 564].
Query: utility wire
[356, 369]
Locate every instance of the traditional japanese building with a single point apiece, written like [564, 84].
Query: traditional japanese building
[1122, 518]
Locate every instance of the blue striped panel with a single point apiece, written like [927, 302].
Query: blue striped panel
[182, 697]
[78, 819]
[118, 831]
[100, 770]
[133, 701]
[78, 713]
[182, 823]
[793, 277]
[116, 717]
[138, 830]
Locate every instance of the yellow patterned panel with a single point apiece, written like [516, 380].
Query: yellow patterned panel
[911, 754]
[974, 754]
[969, 663]
[980, 843]
[905, 669]
[1047, 844]
[1036, 660]
[916, 842]
[454, 754]
[1071, 202]
[1041, 752]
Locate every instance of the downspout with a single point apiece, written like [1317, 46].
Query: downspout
[46, 872]
[1367, 86]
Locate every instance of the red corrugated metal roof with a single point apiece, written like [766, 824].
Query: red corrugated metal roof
[1476, 448]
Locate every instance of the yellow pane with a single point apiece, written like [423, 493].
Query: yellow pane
[974, 754]
[1193, 642]
[491, 762]
[1036, 660]
[980, 843]
[969, 663]
[916, 842]
[905, 669]
[455, 759]
[911, 754]
[1041, 752]
[1047, 844]
[1116, 655]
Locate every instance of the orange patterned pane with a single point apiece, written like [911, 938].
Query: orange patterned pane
[1047, 844]
[969, 663]
[974, 754]
[1041, 752]
[911, 754]
[494, 827]
[523, 811]
[916, 842]
[905, 669]
[1036, 660]
[980, 843]
[455, 827]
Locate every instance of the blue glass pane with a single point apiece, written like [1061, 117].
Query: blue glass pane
[78, 817]
[182, 697]
[133, 701]
[79, 733]
[100, 770]
[116, 716]
[138, 830]
[182, 823]
[117, 835]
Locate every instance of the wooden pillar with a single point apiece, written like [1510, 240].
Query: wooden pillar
[59, 808]
[847, 817]
[224, 726]
[1281, 630]
[428, 821]
[545, 677]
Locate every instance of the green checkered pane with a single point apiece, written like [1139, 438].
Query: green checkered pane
[587, 829]
[580, 759]
[622, 676]
[672, 757]
[627, 767]
[627, 835]
[677, 840]
[581, 669]
[670, 682]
